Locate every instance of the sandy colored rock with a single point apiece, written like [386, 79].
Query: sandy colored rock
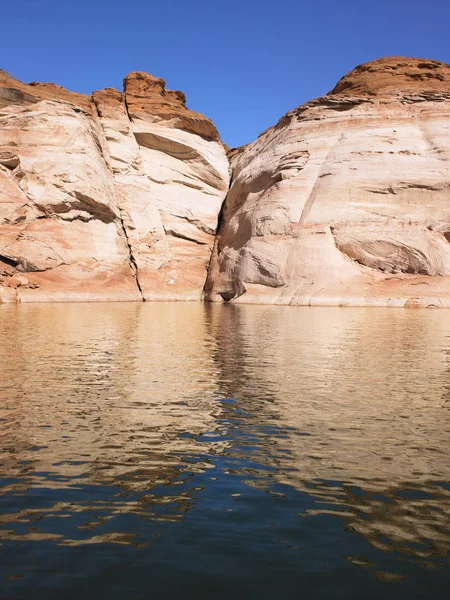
[346, 200]
[394, 75]
[148, 99]
[116, 196]
[99, 207]
[58, 215]
[170, 180]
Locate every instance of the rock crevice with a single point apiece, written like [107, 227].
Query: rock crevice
[131, 196]
[108, 215]
[370, 200]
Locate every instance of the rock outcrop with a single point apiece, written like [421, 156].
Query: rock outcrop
[346, 201]
[117, 195]
[106, 197]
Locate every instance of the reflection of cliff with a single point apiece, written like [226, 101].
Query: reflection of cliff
[346, 406]
[342, 408]
[100, 395]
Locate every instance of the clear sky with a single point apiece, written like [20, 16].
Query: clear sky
[243, 63]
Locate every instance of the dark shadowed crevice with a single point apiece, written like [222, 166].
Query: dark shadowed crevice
[132, 258]
[133, 263]
[21, 264]
[8, 261]
[207, 286]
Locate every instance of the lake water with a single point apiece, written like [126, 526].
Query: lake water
[224, 451]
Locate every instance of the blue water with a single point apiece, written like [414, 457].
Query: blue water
[224, 451]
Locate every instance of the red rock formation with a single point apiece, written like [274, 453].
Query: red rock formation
[148, 99]
[395, 75]
[116, 196]
[13, 91]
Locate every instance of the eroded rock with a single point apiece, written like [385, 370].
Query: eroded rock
[109, 197]
[347, 199]
[116, 196]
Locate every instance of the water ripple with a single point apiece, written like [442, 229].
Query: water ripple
[252, 451]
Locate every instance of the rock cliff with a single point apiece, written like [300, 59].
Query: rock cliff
[113, 196]
[346, 201]
[117, 195]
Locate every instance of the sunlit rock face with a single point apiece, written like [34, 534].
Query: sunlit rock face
[171, 176]
[347, 199]
[109, 197]
[61, 237]
[117, 196]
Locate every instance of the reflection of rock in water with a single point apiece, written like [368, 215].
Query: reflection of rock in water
[344, 406]
[104, 394]
[347, 406]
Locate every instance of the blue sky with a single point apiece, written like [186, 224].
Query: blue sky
[243, 63]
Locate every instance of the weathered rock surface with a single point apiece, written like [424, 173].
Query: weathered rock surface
[347, 199]
[171, 174]
[117, 196]
[99, 201]
[59, 220]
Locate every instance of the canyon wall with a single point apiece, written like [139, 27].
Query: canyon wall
[346, 201]
[123, 195]
[113, 196]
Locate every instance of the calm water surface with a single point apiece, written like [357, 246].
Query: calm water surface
[151, 450]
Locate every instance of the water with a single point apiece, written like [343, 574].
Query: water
[151, 450]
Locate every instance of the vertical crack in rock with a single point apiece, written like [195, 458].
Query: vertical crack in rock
[126, 107]
[132, 258]
[208, 285]
[133, 263]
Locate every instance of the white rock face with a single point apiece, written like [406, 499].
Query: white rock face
[188, 179]
[170, 186]
[114, 197]
[58, 214]
[347, 199]
[139, 214]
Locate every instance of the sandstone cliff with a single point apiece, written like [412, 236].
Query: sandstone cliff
[106, 197]
[117, 195]
[347, 199]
